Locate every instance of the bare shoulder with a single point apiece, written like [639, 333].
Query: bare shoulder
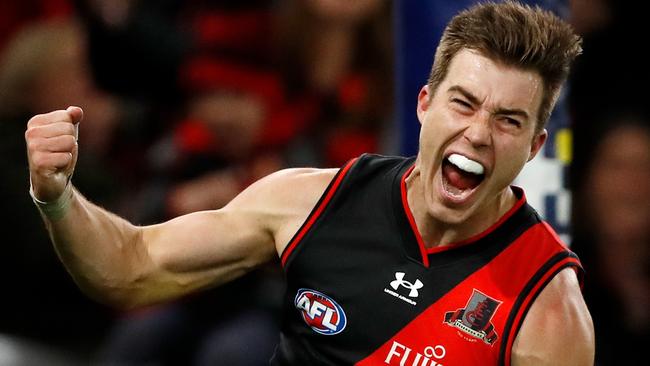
[558, 329]
[284, 199]
[288, 187]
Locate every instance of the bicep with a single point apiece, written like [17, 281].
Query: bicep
[209, 248]
[196, 251]
[199, 250]
[557, 329]
[208, 240]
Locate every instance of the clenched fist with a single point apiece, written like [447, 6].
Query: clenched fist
[52, 151]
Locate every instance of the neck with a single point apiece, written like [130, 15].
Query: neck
[437, 231]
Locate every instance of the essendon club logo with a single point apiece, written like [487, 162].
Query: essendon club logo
[475, 318]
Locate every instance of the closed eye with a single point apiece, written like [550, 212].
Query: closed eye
[462, 103]
[512, 122]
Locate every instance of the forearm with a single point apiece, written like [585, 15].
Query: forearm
[127, 266]
[106, 255]
[102, 252]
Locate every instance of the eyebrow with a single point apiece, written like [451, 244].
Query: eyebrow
[475, 100]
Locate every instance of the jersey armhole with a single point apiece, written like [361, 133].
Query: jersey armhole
[528, 295]
[316, 211]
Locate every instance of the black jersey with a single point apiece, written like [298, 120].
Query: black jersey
[363, 289]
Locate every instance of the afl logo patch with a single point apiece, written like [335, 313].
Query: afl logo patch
[320, 312]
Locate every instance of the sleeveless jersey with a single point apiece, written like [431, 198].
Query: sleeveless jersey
[362, 289]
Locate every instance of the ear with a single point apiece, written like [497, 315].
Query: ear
[538, 142]
[424, 100]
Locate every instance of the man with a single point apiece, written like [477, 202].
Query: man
[433, 260]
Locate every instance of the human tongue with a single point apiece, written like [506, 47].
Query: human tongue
[460, 179]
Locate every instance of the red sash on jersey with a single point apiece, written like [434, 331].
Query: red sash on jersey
[477, 322]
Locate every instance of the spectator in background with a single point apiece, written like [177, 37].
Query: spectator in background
[613, 231]
[612, 31]
[206, 105]
[610, 176]
[203, 69]
[43, 66]
[218, 110]
[233, 84]
[16, 14]
[342, 58]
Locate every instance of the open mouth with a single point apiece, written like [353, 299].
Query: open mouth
[460, 175]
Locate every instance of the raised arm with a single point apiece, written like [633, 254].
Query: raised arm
[558, 329]
[127, 265]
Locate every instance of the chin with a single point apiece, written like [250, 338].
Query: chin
[450, 215]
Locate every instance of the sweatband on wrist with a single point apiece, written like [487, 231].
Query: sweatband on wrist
[56, 209]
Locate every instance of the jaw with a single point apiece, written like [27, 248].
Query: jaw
[475, 208]
[446, 215]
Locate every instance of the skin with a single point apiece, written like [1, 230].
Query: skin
[471, 113]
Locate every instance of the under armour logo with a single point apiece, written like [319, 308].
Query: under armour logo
[399, 281]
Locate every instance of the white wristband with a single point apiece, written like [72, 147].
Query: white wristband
[56, 209]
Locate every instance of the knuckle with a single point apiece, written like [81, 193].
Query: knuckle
[31, 132]
[37, 119]
[70, 129]
[38, 160]
[69, 142]
[33, 145]
[65, 159]
[32, 121]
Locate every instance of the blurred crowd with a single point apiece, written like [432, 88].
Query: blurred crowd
[188, 102]
[610, 176]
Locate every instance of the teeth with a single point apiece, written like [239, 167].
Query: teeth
[466, 164]
[455, 192]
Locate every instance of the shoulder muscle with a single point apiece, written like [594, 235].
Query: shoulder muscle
[558, 329]
[284, 199]
[211, 247]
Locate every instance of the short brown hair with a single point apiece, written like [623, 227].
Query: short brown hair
[513, 34]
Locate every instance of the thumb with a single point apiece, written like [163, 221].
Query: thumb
[75, 113]
[75, 155]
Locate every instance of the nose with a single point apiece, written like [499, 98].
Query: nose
[479, 130]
